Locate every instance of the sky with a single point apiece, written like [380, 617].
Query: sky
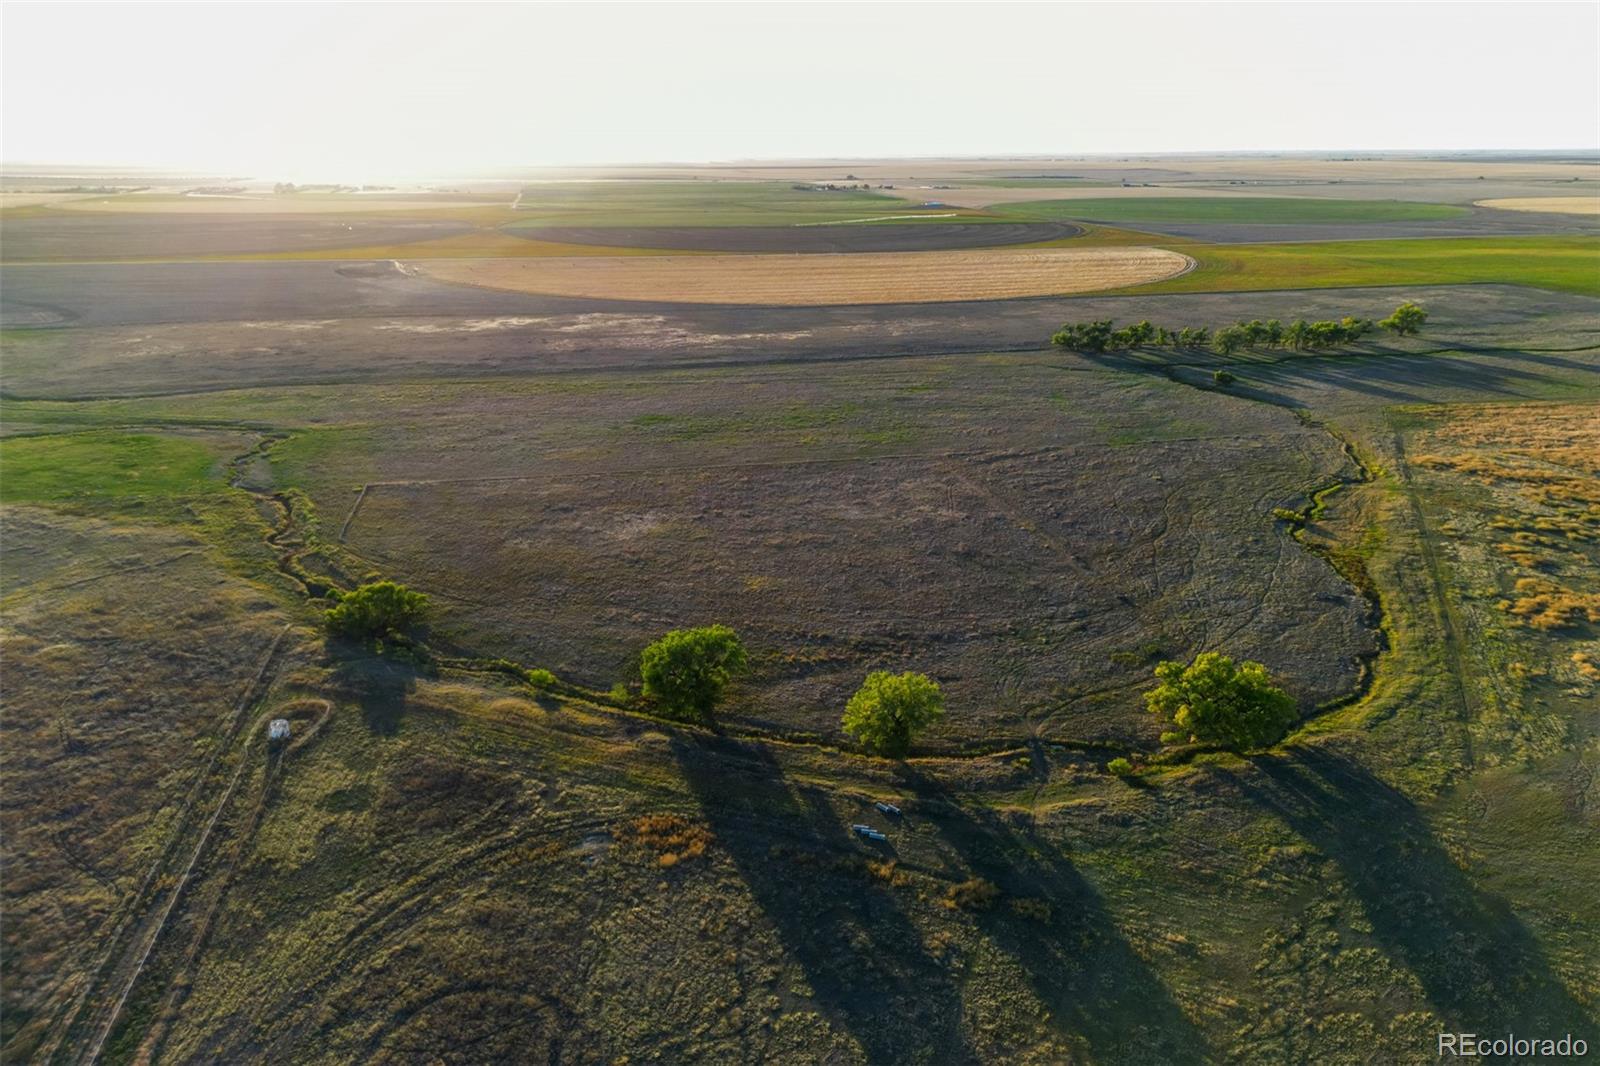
[352, 91]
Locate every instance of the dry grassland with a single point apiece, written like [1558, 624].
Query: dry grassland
[1561, 205]
[817, 280]
[1542, 465]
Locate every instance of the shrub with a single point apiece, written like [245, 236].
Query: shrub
[1216, 701]
[1407, 319]
[668, 834]
[542, 679]
[1222, 377]
[974, 895]
[1172, 736]
[1119, 767]
[688, 669]
[1028, 907]
[889, 709]
[375, 610]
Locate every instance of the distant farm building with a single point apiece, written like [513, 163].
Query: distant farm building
[278, 729]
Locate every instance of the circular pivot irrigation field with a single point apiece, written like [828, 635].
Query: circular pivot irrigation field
[819, 280]
[815, 238]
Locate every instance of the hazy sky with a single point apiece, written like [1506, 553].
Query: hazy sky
[330, 91]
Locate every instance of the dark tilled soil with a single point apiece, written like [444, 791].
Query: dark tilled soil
[86, 235]
[175, 327]
[921, 237]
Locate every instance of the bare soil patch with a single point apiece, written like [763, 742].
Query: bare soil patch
[820, 280]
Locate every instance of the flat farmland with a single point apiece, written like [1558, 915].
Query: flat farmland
[821, 280]
[1561, 205]
[816, 237]
[1230, 209]
[1028, 542]
[63, 236]
[189, 327]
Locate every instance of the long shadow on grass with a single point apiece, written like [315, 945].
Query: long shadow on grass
[1097, 990]
[1480, 967]
[377, 684]
[863, 958]
[1391, 377]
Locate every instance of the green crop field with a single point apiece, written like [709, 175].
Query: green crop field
[78, 466]
[699, 203]
[1135, 209]
[1567, 264]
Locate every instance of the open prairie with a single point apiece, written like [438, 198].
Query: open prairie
[856, 445]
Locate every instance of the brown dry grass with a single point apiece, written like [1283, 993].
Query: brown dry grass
[1542, 462]
[1563, 205]
[817, 280]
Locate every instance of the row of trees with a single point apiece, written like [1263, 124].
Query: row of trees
[687, 672]
[1106, 336]
[1212, 700]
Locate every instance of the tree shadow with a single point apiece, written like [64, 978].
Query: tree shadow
[377, 684]
[1098, 991]
[1480, 967]
[1388, 376]
[863, 958]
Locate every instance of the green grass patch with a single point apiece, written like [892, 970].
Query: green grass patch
[84, 466]
[1566, 264]
[1227, 209]
[699, 203]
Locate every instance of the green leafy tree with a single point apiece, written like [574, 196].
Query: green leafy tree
[1228, 339]
[888, 710]
[1298, 334]
[688, 669]
[379, 609]
[1355, 328]
[1407, 319]
[1215, 701]
[1084, 336]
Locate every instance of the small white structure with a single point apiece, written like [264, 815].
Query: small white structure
[278, 729]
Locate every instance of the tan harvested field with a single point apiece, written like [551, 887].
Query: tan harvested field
[10, 199]
[819, 280]
[266, 204]
[1562, 205]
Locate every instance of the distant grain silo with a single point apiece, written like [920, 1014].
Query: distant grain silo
[278, 729]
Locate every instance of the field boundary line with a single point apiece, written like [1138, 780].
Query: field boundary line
[354, 507]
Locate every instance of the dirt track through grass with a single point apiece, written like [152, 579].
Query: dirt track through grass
[819, 280]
